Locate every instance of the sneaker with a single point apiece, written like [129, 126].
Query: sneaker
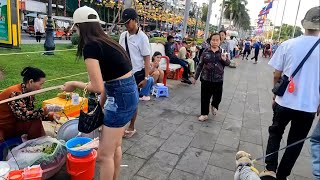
[267, 173]
[255, 62]
[203, 118]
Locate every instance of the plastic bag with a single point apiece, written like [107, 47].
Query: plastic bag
[44, 151]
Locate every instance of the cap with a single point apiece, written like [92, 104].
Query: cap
[128, 14]
[312, 19]
[85, 14]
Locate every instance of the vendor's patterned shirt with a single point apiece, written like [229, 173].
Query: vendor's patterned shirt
[23, 109]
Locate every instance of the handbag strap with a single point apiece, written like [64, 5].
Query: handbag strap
[305, 58]
[127, 47]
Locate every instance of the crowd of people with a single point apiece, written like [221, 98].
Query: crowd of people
[124, 72]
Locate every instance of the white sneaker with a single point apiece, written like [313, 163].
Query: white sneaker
[203, 118]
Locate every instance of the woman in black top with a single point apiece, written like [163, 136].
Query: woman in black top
[109, 69]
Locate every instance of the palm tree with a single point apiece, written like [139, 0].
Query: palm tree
[236, 12]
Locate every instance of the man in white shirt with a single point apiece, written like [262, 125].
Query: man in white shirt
[232, 46]
[38, 28]
[138, 48]
[298, 105]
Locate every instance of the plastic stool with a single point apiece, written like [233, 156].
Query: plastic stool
[8, 144]
[160, 91]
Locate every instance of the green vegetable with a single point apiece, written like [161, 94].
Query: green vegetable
[78, 145]
[50, 149]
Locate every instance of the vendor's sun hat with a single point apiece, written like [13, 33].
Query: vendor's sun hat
[85, 14]
[312, 19]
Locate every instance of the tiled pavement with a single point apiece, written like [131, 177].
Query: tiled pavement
[172, 144]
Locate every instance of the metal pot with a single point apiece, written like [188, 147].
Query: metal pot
[69, 130]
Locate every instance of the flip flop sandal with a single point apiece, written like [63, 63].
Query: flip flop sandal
[129, 134]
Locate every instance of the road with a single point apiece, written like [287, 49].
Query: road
[27, 39]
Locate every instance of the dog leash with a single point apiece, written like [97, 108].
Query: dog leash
[293, 144]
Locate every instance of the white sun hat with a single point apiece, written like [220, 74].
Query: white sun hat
[86, 14]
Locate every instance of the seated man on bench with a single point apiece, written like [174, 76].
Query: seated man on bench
[169, 50]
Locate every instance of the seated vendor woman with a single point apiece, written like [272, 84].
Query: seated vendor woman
[20, 117]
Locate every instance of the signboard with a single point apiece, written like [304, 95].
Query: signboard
[5, 22]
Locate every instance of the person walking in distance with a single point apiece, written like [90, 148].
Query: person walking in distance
[247, 48]
[212, 60]
[301, 99]
[38, 28]
[256, 47]
[136, 43]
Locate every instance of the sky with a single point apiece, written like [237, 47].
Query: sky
[254, 7]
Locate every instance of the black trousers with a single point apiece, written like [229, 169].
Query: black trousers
[256, 54]
[184, 64]
[38, 36]
[246, 52]
[301, 123]
[208, 90]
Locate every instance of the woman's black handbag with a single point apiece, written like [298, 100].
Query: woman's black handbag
[90, 121]
[281, 86]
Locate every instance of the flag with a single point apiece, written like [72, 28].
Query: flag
[267, 1]
[269, 6]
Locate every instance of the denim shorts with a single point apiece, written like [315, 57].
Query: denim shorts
[122, 102]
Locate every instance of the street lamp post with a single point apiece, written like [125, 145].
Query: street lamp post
[49, 45]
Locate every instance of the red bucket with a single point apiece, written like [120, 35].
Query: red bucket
[82, 168]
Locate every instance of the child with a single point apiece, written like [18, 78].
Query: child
[211, 67]
[155, 72]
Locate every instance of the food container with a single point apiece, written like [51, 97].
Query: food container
[15, 175]
[4, 168]
[33, 173]
[78, 141]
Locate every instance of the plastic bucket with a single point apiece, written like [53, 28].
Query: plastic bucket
[82, 168]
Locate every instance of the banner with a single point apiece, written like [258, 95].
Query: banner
[5, 22]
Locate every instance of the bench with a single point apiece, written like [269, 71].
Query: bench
[165, 62]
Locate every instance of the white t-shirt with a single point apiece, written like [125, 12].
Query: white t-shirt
[306, 96]
[38, 25]
[232, 44]
[139, 47]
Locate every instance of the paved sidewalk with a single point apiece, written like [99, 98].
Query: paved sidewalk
[172, 144]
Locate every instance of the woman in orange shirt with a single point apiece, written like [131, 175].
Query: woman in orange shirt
[20, 116]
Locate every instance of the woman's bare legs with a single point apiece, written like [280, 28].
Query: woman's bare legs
[109, 149]
[161, 76]
[156, 75]
[117, 161]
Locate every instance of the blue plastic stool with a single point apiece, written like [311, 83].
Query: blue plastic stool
[8, 144]
[160, 91]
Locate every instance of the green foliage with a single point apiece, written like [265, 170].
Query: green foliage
[286, 32]
[59, 65]
[237, 12]
[75, 39]
[204, 12]
[115, 37]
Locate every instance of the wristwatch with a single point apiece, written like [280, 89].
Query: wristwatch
[146, 78]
